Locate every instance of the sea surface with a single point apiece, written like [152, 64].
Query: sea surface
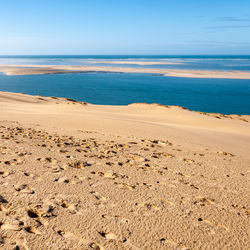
[186, 62]
[226, 96]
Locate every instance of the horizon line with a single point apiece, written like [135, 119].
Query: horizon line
[125, 55]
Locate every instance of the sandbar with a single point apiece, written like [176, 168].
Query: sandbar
[134, 62]
[50, 69]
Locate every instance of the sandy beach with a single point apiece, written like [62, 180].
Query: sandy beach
[144, 176]
[134, 62]
[55, 69]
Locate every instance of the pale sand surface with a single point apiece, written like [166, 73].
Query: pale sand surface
[47, 69]
[81, 176]
[135, 62]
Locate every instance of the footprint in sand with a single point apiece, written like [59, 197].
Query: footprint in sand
[79, 164]
[187, 160]
[108, 236]
[218, 226]
[65, 204]
[66, 234]
[95, 246]
[12, 227]
[114, 237]
[204, 202]
[110, 174]
[23, 154]
[125, 186]
[173, 244]
[34, 177]
[31, 230]
[189, 184]
[117, 218]
[243, 208]
[24, 188]
[3, 200]
[4, 174]
[152, 207]
[183, 174]
[162, 154]
[224, 153]
[98, 196]
[9, 163]
[48, 160]
[33, 213]
[67, 180]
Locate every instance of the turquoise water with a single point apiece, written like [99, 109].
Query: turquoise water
[225, 96]
[187, 62]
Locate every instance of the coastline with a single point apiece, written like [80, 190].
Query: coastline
[55, 69]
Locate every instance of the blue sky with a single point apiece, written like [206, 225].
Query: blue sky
[124, 27]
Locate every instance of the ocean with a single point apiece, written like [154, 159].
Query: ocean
[226, 96]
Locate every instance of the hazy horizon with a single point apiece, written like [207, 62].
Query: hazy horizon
[161, 55]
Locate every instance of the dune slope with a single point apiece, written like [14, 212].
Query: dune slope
[80, 176]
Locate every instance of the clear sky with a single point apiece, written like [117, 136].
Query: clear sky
[124, 27]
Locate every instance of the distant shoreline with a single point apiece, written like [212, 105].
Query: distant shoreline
[56, 69]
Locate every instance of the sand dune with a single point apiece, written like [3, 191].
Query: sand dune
[81, 176]
[49, 69]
